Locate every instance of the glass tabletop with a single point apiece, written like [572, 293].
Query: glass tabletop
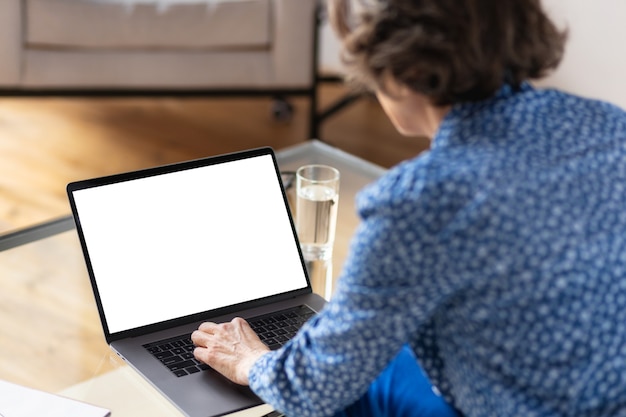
[50, 334]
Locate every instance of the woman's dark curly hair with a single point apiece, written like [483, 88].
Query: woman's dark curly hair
[449, 50]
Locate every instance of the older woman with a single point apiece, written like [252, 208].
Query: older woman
[497, 260]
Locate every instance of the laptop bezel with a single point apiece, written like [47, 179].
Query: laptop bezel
[164, 169]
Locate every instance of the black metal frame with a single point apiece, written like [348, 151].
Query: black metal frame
[315, 117]
[37, 232]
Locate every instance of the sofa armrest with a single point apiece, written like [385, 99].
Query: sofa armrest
[293, 26]
[10, 42]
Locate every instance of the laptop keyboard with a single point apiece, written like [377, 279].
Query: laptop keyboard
[274, 329]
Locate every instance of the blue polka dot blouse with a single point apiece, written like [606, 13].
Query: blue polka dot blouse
[499, 256]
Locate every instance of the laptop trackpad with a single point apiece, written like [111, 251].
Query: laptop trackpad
[212, 395]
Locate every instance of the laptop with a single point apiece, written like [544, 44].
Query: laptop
[170, 247]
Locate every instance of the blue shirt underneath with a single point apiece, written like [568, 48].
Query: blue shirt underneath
[499, 256]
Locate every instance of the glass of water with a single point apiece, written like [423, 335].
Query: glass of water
[317, 199]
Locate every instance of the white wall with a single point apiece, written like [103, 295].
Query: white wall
[594, 64]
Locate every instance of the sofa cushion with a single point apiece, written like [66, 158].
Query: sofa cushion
[148, 24]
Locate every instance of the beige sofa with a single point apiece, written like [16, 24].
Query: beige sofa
[158, 47]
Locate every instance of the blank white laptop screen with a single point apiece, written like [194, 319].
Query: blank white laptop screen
[176, 244]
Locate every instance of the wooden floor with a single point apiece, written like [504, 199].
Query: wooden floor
[47, 142]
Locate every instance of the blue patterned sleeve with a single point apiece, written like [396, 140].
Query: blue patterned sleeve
[382, 297]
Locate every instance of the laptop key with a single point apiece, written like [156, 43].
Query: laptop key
[163, 355]
[171, 360]
[192, 370]
[181, 365]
